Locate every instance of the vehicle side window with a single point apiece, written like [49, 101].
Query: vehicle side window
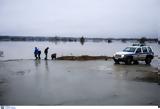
[144, 49]
[149, 49]
[138, 50]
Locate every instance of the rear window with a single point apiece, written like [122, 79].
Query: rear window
[138, 50]
[149, 49]
[144, 49]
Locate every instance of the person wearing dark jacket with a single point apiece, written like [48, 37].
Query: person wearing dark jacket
[36, 52]
[46, 53]
[39, 54]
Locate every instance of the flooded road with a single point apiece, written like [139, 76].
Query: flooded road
[30, 82]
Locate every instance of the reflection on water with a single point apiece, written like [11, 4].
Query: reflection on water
[46, 66]
[82, 40]
[42, 65]
[140, 72]
[37, 62]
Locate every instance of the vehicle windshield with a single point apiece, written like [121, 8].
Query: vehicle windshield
[129, 49]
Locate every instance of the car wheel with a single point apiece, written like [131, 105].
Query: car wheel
[128, 61]
[135, 62]
[148, 60]
[116, 61]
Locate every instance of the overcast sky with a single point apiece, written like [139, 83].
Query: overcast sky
[91, 18]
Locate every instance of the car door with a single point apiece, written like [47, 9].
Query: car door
[145, 52]
[139, 53]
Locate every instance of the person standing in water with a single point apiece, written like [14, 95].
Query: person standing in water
[46, 53]
[36, 52]
[39, 54]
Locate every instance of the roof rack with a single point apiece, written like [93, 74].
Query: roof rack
[138, 45]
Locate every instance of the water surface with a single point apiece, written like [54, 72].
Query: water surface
[25, 50]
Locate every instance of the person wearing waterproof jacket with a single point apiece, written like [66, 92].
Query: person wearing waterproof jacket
[36, 52]
[39, 54]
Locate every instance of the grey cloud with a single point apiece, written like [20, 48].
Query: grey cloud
[92, 18]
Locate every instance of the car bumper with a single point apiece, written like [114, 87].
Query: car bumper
[119, 59]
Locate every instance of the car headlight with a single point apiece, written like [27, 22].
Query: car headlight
[122, 56]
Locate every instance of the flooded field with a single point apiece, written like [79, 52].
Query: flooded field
[25, 81]
[25, 50]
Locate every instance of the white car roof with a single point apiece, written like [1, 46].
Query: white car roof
[138, 46]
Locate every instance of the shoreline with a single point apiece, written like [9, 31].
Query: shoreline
[75, 58]
[83, 58]
[69, 58]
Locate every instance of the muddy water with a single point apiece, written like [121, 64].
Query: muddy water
[29, 82]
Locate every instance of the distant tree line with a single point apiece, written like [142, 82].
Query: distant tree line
[73, 39]
[22, 38]
[144, 39]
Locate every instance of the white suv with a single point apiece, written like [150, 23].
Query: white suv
[135, 53]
